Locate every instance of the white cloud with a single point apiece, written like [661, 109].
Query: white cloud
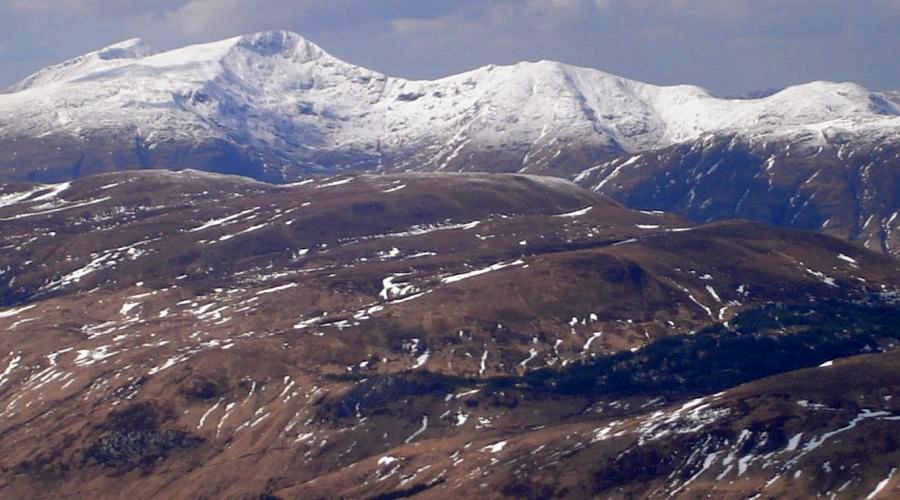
[40, 5]
[406, 26]
[556, 4]
[205, 20]
[93, 7]
[890, 4]
[201, 17]
[505, 16]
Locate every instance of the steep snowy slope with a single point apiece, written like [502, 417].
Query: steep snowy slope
[72, 69]
[273, 105]
[274, 92]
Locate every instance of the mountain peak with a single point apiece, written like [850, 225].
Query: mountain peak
[133, 48]
[287, 43]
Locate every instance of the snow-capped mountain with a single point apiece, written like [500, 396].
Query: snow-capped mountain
[276, 107]
[278, 102]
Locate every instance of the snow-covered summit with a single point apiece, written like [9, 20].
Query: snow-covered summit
[285, 43]
[118, 60]
[289, 101]
[106, 57]
[134, 48]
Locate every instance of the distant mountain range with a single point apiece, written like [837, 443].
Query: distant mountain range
[276, 107]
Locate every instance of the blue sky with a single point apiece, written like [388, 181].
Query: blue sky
[728, 46]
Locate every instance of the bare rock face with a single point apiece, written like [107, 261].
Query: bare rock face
[198, 335]
[837, 187]
[133, 437]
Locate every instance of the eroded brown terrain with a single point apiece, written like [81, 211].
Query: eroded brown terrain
[189, 335]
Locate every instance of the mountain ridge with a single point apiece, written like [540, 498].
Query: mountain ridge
[276, 107]
[389, 113]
